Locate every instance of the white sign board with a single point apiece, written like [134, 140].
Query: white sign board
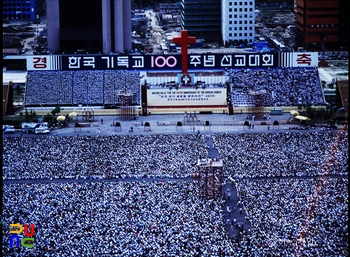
[186, 97]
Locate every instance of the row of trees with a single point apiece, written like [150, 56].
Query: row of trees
[31, 116]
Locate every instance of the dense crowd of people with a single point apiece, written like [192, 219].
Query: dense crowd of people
[286, 154]
[293, 207]
[279, 87]
[102, 157]
[297, 217]
[80, 87]
[289, 217]
[116, 219]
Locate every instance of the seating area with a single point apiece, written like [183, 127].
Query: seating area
[279, 87]
[79, 87]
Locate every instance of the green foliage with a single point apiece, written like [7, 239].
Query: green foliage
[49, 118]
[57, 110]
[310, 112]
[26, 115]
[16, 121]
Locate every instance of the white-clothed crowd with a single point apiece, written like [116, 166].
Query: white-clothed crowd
[289, 215]
[80, 87]
[297, 217]
[102, 157]
[116, 219]
[281, 87]
[254, 155]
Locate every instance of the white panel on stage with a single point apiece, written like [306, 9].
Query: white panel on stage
[212, 96]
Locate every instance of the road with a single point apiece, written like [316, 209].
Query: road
[30, 42]
[157, 33]
[164, 124]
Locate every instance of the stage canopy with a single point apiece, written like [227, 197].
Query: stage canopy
[299, 117]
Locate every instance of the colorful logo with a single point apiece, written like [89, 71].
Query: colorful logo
[27, 242]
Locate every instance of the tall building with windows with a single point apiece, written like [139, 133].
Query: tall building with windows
[317, 24]
[98, 26]
[202, 18]
[22, 9]
[238, 19]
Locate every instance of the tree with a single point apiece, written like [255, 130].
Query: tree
[310, 112]
[26, 115]
[57, 110]
[18, 92]
[49, 118]
[33, 115]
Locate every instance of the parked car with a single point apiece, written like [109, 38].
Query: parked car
[8, 129]
[42, 130]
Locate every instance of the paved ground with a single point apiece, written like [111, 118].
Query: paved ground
[106, 128]
[234, 213]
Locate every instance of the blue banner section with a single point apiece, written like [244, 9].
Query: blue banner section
[165, 62]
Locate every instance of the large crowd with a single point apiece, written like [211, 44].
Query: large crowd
[102, 157]
[116, 219]
[278, 87]
[80, 87]
[293, 188]
[297, 217]
[294, 217]
[286, 154]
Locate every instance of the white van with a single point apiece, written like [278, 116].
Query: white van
[8, 129]
[42, 130]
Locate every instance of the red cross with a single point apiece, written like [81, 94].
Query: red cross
[184, 40]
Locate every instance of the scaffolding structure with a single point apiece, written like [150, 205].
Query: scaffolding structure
[190, 116]
[210, 178]
[257, 109]
[88, 115]
[127, 103]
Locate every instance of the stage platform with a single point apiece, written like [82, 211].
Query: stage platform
[100, 111]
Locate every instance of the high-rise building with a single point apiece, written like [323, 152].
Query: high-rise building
[344, 24]
[22, 9]
[98, 26]
[202, 18]
[317, 24]
[238, 19]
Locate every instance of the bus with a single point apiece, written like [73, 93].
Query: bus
[35, 127]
